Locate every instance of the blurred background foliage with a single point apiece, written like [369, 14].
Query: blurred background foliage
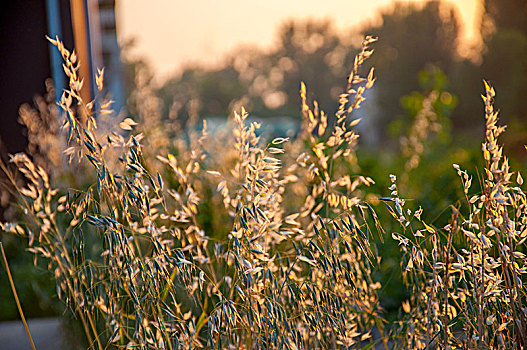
[413, 36]
[416, 60]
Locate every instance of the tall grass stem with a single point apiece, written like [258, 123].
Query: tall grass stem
[16, 297]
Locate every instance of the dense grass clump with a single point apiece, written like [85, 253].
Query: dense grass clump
[166, 240]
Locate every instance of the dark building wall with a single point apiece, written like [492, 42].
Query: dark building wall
[24, 64]
[66, 34]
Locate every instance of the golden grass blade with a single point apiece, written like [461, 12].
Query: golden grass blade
[16, 297]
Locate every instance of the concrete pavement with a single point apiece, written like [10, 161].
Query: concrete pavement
[47, 333]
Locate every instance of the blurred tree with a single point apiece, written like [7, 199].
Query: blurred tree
[132, 66]
[313, 52]
[504, 14]
[467, 85]
[410, 37]
[267, 83]
[201, 91]
[504, 63]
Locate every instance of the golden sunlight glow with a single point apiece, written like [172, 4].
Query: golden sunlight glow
[170, 34]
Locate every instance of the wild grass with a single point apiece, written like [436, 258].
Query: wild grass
[177, 240]
[467, 277]
[15, 295]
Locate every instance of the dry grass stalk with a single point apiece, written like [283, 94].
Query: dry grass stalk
[21, 313]
[469, 294]
[148, 255]
[133, 257]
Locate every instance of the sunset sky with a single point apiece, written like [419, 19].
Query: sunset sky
[172, 33]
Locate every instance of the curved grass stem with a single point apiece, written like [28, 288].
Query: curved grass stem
[16, 297]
